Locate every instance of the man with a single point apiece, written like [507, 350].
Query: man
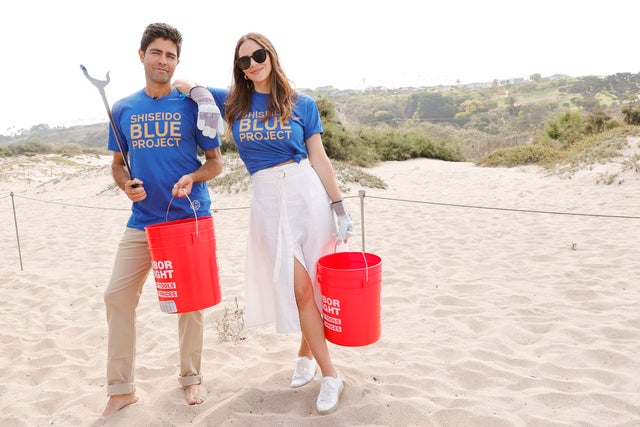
[155, 158]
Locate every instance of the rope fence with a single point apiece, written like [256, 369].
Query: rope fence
[361, 195]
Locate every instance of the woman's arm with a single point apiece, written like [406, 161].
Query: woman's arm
[184, 86]
[323, 167]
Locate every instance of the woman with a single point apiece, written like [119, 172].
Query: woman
[278, 135]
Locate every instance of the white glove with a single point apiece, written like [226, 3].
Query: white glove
[209, 119]
[345, 225]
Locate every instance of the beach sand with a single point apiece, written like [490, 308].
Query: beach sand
[509, 298]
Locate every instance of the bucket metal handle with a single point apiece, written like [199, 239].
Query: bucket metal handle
[366, 269]
[166, 216]
[361, 194]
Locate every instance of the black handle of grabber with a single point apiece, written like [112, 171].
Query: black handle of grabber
[166, 216]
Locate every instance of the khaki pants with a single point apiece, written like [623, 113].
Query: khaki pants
[130, 271]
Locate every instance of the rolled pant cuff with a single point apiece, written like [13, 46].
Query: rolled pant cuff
[190, 380]
[121, 388]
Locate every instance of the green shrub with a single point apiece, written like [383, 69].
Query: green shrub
[598, 122]
[520, 155]
[392, 144]
[631, 114]
[567, 128]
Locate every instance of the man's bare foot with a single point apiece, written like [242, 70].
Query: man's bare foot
[191, 393]
[117, 402]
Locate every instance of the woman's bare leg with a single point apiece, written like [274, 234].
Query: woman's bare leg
[304, 349]
[311, 321]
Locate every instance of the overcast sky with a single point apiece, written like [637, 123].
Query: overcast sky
[347, 44]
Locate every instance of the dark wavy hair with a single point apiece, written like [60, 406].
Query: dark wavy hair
[282, 97]
[160, 30]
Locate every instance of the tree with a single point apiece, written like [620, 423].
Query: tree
[434, 107]
[631, 114]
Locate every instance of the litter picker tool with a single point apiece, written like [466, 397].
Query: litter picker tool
[100, 84]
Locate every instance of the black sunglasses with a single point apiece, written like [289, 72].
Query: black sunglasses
[259, 56]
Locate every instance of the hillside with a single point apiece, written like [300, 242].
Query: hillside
[94, 135]
[456, 123]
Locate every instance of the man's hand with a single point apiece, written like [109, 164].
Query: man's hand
[183, 187]
[134, 190]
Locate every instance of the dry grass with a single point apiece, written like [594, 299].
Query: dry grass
[236, 179]
[231, 325]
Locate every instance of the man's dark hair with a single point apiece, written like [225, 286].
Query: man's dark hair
[160, 30]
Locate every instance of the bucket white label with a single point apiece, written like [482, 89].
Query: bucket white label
[331, 307]
[333, 327]
[162, 269]
[167, 294]
[168, 306]
[330, 319]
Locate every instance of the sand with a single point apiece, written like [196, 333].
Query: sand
[509, 298]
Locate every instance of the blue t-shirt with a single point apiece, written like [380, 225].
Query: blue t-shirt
[162, 140]
[263, 144]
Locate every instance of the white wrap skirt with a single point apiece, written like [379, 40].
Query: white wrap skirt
[291, 217]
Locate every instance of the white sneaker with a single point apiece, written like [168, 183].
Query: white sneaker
[329, 396]
[304, 372]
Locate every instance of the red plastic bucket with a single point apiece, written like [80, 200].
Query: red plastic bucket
[350, 283]
[185, 264]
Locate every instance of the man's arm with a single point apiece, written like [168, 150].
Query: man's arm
[132, 187]
[211, 168]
